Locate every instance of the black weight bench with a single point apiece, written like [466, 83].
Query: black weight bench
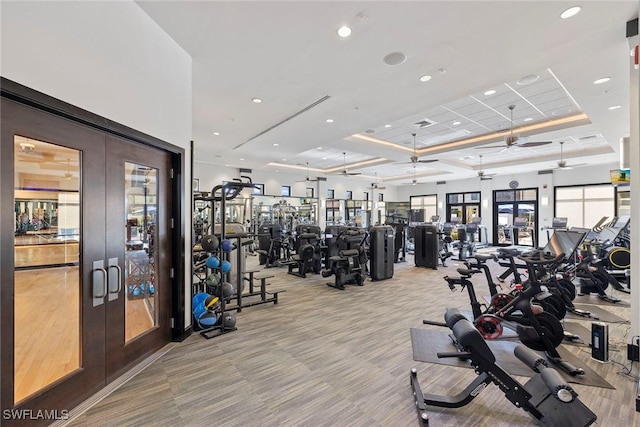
[546, 396]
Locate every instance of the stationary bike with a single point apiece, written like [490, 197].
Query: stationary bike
[537, 329]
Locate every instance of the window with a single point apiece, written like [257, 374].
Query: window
[349, 195]
[286, 190]
[309, 192]
[380, 197]
[258, 189]
[427, 204]
[462, 207]
[584, 205]
[366, 195]
[330, 194]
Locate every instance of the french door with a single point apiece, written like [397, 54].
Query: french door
[86, 258]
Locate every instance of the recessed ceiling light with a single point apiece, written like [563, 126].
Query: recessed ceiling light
[256, 100]
[456, 123]
[394, 58]
[425, 78]
[324, 158]
[216, 133]
[319, 148]
[241, 158]
[490, 92]
[284, 160]
[572, 11]
[528, 79]
[275, 144]
[615, 107]
[227, 165]
[387, 126]
[528, 119]
[329, 120]
[344, 31]
[602, 80]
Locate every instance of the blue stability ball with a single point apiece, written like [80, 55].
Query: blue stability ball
[226, 245]
[207, 320]
[198, 298]
[225, 266]
[213, 262]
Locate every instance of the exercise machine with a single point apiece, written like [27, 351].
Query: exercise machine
[546, 396]
[349, 266]
[381, 246]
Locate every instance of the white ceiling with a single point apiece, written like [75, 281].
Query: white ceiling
[288, 54]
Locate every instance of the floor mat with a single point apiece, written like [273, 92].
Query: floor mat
[577, 329]
[427, 343]
[598, 313]
[595, 300]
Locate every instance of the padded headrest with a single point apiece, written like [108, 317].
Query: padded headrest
[471, 340]
[349, 252]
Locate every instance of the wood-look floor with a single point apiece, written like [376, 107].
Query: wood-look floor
[325, 357]
[47, 326]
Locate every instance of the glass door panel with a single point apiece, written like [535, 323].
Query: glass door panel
[505, 224]
[139, 251]
[46, 270]
[526, 234]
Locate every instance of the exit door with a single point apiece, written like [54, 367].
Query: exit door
[86, 291]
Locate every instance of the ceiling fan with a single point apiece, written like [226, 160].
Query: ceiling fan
[414, 181]
[514, 140]
[562, 164]
[376, 185]
[414, 157]
[481, 173]
[308, 177]
[344, 171]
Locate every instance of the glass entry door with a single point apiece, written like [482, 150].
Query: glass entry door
[86, 290]
[515, 217]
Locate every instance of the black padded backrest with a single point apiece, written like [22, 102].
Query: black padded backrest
[471, 340]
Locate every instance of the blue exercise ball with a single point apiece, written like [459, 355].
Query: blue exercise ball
[226, 245]
[213, 262]
[207, 320]
[225, 267]
[198, 298]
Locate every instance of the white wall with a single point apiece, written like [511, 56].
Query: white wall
[109, 58]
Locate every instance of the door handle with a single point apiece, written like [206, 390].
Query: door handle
[113, 293]
[98, 282]
[119, 282]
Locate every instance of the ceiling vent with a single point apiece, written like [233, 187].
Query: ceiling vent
[370, 131]
[441, 182]
[424, 123]
[281, 122]
[244, 170]
[587, 137]
[545, 172]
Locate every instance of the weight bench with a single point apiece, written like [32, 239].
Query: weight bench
[546, 396]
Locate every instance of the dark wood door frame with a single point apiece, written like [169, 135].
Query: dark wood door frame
[26, 100]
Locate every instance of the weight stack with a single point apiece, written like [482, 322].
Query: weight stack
[426, 246]
[381, 241]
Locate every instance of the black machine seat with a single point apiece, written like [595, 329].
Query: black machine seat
[467, 272]
[484, 258]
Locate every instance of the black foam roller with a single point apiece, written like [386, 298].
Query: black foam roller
[558, 386]
[529, 358]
